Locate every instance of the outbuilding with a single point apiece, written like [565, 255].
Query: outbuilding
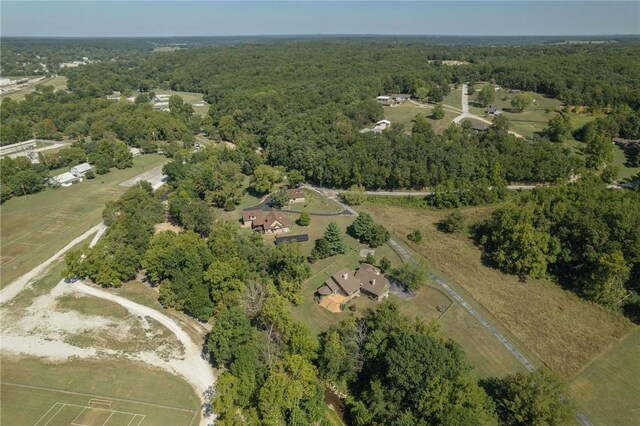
[81, 169]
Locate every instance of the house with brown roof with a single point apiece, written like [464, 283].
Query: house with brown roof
[367, 280]
[272, 222]
[296, 195]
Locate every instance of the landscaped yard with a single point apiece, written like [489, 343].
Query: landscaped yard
[36, 226]
[563, 331]
[608, 390]
[407, 111]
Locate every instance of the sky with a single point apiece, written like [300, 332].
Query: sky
[233, 18]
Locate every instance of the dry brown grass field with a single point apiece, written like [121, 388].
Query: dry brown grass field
[562, 330]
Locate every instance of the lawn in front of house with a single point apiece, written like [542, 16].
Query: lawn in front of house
[407, 111]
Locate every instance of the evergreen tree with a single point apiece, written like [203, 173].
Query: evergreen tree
[335, 239]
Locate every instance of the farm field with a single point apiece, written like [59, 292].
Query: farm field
[58, 82]
[93, 392]
[34, 227]
[562, 330]
[407, 111]
[608, 389]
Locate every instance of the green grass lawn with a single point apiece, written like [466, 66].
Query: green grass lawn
[608, 390]
[34, 227]
[35, 391]
[454, 98]
[58, 82]
[406, 112]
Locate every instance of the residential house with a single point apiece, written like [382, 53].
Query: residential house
[399, 97]
[296, 195]
[480, 127]
[65, 179]
[80, 170]
[272, 222]
[494, 110]
[367, 280]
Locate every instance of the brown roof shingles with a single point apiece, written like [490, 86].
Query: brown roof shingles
[372, 280]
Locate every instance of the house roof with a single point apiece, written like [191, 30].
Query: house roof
[65, 178]
[372, 281]
[324, 291]
[81, 168]
[387, 122]
[346, 280]
[295, 193]
[271, 220]
[493, 108]
[383, 98]
[402, 96]
[292, 238]
[480, 127]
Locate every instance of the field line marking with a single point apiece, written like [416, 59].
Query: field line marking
[54, 416]
[151, 404]
[73, 422]
[105, 422]
[45, 414]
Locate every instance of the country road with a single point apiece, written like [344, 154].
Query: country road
[409, 257]
[467, 114]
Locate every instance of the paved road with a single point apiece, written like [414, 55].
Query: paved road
[154, 176]
[408, 257]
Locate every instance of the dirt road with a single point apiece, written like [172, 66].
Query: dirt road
[11, 290]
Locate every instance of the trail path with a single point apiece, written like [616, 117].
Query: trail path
[11, 290]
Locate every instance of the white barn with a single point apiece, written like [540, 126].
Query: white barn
[81, 169]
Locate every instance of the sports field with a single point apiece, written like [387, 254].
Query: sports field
[93, 393]
[36, 226]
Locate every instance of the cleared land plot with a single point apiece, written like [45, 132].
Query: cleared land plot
[195, 99]
[58, 82]
[609, 388]
[34, 227]
[560, 329]
[453, 99]
[407, 111]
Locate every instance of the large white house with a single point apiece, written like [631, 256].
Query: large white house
[80, 170]
[65, 179]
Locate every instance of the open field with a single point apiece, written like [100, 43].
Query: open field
[94, 393]
[34, 227]
[407, 111]
[188, 98]
[454, 98]
[562, 330]
[58, 82]
[608, 390]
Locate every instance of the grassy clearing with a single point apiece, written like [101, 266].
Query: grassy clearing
[560, 329]
[34, 227]
[58, 82]
[454, 98]
[87, 305]
[188, 98]
[407, 111]
[134, 388]
[608, 390]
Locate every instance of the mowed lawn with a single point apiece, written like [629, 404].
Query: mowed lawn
[58, 82]
[560, 329]
[608, 390]
[36, 226]
[38, 392]
[407, 111]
